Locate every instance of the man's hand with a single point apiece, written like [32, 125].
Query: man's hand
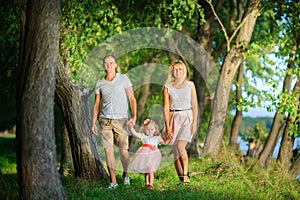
[131, 122]
[94, 129]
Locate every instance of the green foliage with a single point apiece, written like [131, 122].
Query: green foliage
[259, 133]
[249, 124]
[243, 104]
[258, 60]
[177, 12]
[9, 49]
[285, 103]
[287, 12]
[84, 25]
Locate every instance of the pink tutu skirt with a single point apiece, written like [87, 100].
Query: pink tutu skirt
[146, 159]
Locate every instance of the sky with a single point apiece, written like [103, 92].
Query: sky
[258, 112]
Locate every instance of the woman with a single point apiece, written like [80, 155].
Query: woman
[180, 113]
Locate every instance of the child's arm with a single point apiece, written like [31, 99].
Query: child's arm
[165, 142]
[133, 131]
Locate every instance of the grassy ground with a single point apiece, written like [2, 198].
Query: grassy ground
[222, 178]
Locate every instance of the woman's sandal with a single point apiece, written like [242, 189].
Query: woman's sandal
[185, 178]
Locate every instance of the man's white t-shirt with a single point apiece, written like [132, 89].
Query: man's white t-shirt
[113, 97]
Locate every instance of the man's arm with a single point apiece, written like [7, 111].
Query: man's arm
[133, 107]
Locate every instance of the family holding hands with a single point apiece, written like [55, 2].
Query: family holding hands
[180, 122]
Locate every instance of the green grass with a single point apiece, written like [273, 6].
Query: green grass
[222, 178]
[7, 153]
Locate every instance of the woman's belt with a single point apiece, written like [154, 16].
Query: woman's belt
[179, 109]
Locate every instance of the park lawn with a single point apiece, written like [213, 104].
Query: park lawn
[222, 178]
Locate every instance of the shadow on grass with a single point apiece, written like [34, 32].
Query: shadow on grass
[83, 189]
[9, 187]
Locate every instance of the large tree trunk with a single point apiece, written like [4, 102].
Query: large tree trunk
[286, 148]
[73, 101]
[268, 149]
[202, 68]
[231, 63]
[240, 79]
[36, 150]
[238, 113]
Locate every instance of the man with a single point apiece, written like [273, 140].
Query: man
[114, 91]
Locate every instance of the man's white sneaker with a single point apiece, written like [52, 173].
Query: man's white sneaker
[126, 180]
[112, 186]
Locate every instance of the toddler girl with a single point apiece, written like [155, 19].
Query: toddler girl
[148, 156]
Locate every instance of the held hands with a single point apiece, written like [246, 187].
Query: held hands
[169, 134]
[131, 122]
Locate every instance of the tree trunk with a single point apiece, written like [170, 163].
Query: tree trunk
[268, 149]
[231, 63]
[73, 101]
[269, 146]
[254, 149]
[295, 168]
[202, 69]
[286, 148]
[238, 113]
[66, 161]
[36, 150]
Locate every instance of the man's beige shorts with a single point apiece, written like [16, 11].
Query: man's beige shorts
[114, 132]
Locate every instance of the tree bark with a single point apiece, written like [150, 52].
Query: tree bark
[268, 149]
[231, 63]
[73, 101]
[202, 69]
[66, 161]
[286, 147]
[38, 177]
[238, 113]
[254, 149]
[295, 168]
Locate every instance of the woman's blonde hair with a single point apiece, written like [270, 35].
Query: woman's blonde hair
[171, 78]
[149, 122]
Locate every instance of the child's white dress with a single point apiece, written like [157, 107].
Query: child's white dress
[148, 156]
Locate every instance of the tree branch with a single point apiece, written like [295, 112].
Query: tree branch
[222, 26]
[228, 40]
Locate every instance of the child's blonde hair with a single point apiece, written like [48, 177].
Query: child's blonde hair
[149, 122]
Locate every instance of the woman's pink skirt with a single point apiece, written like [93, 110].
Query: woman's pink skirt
[180, 123]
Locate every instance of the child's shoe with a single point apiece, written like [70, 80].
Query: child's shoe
[126, 180]
[150, 186]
